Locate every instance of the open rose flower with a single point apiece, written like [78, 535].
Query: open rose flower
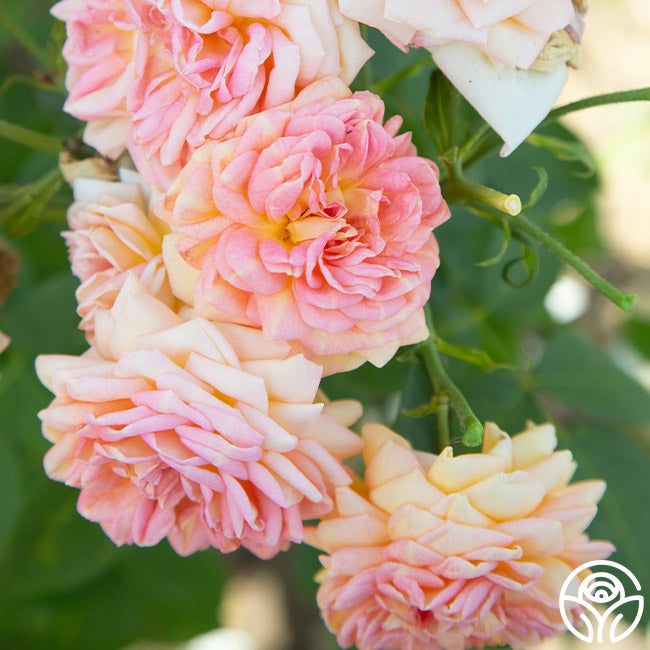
[447, 553]
[111, 234]
[203, 65]
[508, 57]
[203, 433]
[313, 221]
[100, 53]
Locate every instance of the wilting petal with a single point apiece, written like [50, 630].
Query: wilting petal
[512, 101]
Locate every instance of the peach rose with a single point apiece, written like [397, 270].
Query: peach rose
[203, 65]
[99, 51]
[487, 48]
[203, 433]
[312, 221]
[452, 552]
[112, 233]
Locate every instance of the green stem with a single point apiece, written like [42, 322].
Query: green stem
[22, 80]
[23, 37]
[443, 385]
[28, 138]
[458, 190]
[625, 301]
[467, 150]
[636, 95]
[442, 415]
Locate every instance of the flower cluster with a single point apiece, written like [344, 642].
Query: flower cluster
[278, 228]
[163, 76]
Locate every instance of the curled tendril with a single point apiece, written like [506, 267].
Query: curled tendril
[538, 191]
[529, 261]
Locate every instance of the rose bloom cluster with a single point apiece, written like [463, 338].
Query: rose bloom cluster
[278, 228]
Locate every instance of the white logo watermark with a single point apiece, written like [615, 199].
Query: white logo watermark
[604, 588]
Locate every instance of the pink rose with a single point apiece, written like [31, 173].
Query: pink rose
[313, 221]
[203, 65]
[99, 51]
[203, 433]
[446, 553]
[487, 48]
[111, 234]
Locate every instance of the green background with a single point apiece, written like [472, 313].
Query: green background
[63, 585]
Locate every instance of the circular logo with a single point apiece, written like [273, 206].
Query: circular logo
[594, 602]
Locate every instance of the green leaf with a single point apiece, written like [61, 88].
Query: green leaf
[473, 436]
[23, 207]
[22, 317]
[420, 430]
[23, 80]
[57, 550]
[147, 594]
[503, 399]
[29, 138]
[567, 151]
[505, 244]
[441, 111]
[55, 42]
[368, 383]
[26, 219]
[577, 225]
[12, 489]
[473, 356]
[383, 85]
[22, 36]
[580, 375]
[623, 512]
[637, 333]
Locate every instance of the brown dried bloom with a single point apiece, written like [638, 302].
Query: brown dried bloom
[564, 46]
[9, 267]
[95, 167]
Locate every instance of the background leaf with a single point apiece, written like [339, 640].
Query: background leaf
[577, 373]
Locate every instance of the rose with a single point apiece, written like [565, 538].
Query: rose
[203, 433]
[99, 51]
[203, 66]
[112, 233]
[312, 221]
[439, 552]
[493, 51]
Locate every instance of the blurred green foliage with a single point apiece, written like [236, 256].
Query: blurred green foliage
[64, 586]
